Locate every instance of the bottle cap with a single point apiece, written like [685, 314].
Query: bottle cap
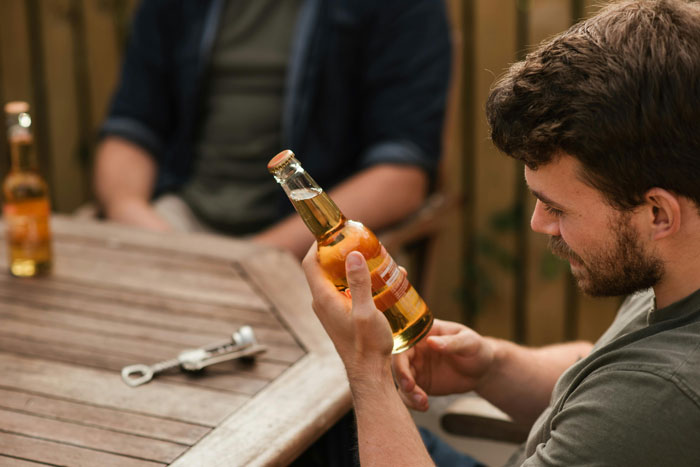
[16, 107]
[280, 160]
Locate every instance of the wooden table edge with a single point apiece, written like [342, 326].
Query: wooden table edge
[243, 438]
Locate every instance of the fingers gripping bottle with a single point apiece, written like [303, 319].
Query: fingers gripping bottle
[408, 315]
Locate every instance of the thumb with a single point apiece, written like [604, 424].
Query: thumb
[359, 281]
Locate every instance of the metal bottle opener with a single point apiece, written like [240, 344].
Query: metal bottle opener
[242, 344]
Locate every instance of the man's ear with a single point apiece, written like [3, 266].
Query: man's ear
[664, 212]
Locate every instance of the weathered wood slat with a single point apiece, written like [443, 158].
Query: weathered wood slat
[173, 283]
[215, 246]
[238, 378]
[296, 422]
[261, 369]
[101, 250]
[179, 336]
[6, 461]
[61, 454]
[494, 179]
[90, 437]
[102, 417]
[100, 42]
[175, 401]
[61, 112]
[128, 347]
[547, 297]
[105, 300]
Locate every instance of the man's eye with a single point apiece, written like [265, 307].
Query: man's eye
[553, 211]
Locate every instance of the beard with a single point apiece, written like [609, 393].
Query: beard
[621, 270]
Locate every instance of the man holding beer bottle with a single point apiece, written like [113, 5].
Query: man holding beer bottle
[604, 116]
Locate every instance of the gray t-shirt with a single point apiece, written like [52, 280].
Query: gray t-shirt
[231, 189]
[634, 401]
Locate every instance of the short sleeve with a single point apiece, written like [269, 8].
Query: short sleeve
[406, 78]
[141, 106]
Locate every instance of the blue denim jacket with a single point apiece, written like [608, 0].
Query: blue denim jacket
[366, 84]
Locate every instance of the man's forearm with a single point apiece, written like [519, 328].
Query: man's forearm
[522, 379]
[387, 434]
[382, 195]
[124, 179]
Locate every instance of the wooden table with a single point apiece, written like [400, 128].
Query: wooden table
[119, 296]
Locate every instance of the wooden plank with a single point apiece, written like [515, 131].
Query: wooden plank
[494, 176]
[15, 83]
[103, 55]
[143, 257]
[111, 419]
[114, 235]
[173, 283]
[239, 377]
[444, 260]
[279, 277]
[14, 54]
[244, 439]
[172, 333]
[591, 7]
[235, 378]
[133, 252]
[133, 306]
[67, 172]
[547, 18]
[61, 454]
[90, 437]
[260, 368]
[129, 349]
[106, 389]
[6, 461]
[547, 276]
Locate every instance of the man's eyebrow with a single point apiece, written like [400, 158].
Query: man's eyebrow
[545, 199]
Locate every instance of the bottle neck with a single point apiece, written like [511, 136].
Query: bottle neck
[19, 136]
[22, 153]
[316, 208]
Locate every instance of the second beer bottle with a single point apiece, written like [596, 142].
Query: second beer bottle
[408, 315]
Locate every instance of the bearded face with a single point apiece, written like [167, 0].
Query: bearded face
[620, 269]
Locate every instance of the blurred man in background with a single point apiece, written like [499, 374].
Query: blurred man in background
[211, 90]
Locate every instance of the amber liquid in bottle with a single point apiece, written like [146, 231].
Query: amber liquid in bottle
[26, 208]
[408, 315]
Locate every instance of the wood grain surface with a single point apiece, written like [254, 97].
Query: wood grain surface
[119, 296]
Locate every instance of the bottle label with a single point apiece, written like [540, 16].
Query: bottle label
[27, 223]
[388, 282]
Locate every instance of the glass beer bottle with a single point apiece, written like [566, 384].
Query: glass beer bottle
[26, 210]
[407, 313]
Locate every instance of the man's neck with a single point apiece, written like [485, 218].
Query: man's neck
[681, 257]
[669, 291]
[681, 277]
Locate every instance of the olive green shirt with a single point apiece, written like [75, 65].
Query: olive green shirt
[634, 401]
[230, 188]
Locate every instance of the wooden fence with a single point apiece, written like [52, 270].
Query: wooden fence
[489, 270]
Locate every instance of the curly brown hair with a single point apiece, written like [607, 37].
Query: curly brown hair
[620, 92]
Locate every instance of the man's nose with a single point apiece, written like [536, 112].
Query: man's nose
[543, 221]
